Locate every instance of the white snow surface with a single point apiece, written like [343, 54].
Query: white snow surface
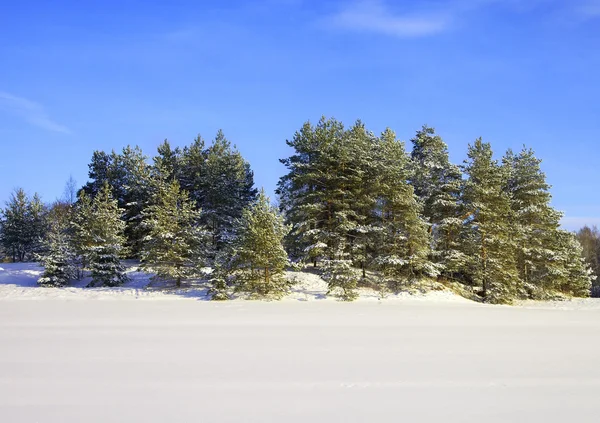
[411, 359]
[19, 281]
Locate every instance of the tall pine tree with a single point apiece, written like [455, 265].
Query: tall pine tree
[437, 184]
[404, 240]
[489, 232]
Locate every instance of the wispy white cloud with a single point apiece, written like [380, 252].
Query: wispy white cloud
[375, 16]
[435, 17]
[590, 9]
[30, 111]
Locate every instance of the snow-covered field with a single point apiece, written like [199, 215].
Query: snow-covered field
[129, 355]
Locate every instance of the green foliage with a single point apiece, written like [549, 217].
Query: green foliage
[404, 244]
[128, 176]
[489, 238]
[58, 255]
[589, 238]
[22, 225]
[342, 279]
[438, 185]
[174, 245]
[99, 237]
[258, 258]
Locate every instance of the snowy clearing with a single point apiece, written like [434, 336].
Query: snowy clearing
[127, 360]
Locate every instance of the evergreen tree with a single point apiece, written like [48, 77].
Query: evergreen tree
[258, 258]
[589, 238]
[489, 232]
[572, 275]
[404, 239]
[168, 162]
[301, 190]
[100, 237]
[437, 184]
[22, 225]
[128, 175]
[58, 256]
[193, 170]
[224, 187]
[535, 222]
[136, 191]
[173, 248]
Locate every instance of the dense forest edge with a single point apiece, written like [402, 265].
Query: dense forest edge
[355, 207]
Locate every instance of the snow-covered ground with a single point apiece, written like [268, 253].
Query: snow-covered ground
[19, 281]
[68, 357]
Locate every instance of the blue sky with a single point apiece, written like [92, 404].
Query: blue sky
[80, 76]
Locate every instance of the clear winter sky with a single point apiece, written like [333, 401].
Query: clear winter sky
[76, 76]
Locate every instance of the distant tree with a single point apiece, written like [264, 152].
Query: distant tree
[589, 238]
[258, 258]
[99, 237]
[22, 225]
[167, 162]
[70, 191]
[572, 275]
[174, 247]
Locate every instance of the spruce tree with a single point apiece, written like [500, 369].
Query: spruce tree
[489, 231]
[22, 225]
[224, 189]
[258, 258]
[100, 237]
[572, 275]
[128, 175]
[58, 256]
[437, 184]
[136, 191]
[174, 245]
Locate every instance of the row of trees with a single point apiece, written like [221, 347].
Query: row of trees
[133, 209]
[355, 205]
[360, 201]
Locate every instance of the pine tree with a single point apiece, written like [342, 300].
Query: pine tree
[58, 256]
[404, 240]
[437, 184]
[489, 231]
[535, 222]
[258, 258]
[173, 248]
[100, 237]
[168, 162]
[301, 190]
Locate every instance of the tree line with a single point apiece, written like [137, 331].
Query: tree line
[356, 206]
